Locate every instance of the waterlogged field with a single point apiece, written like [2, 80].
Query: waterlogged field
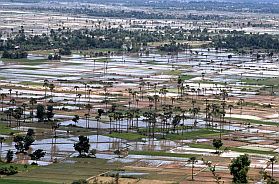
[145, 113]
[249, 128]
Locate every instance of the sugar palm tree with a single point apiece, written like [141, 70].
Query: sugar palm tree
[9, 114]
[24, 105]
[230, 107]
[87, 120]
[32, 101]
[195, 112]
[97, 119]
[192, 161]
[3, 96]
[110, 115]
[10, 92]
[85, 88]
[54, 127]
[79, 95]
[45, 85]
[241, 101]
[88, 107]
[2, 139]
[156, 99]
[17, 115]
[272, 160]
[51, 88]
[76, 88]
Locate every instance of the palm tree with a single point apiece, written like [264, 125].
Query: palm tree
[156, 99]
[89, 92]
[207, 108]
[13, 101]
[88, 107]
[230, 107]
[32, 101]
[110, 121]
[45, 85]
[3, 96]
[79, 95]
[85, 89]
[24, 105]
[76, 88]
[241, 101]
[98, 119]
[195, 111]
[54, 127]
[9, 114]
[75, 119]
[10, 92]
[1, 143]
[51, 88]
[17, 115]
[192, 161]
[272, 161]
[87, 120]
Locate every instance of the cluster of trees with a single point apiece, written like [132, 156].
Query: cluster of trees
[23, 143]
[116, 38]
[44, 113]
[251, 41]
[14, 54]
[261, 6]
[54, 57]
[83, 146]
[173, 47]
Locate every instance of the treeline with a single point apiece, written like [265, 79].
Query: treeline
[261, 6]
[14, 54]
[115, 13]
[83, 39]
[251, 41]
[173, 47]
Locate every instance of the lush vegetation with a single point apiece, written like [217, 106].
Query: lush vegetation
[250, 41]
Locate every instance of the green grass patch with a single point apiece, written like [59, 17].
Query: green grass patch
[172, 72]
[186, 77]
[81, 168]
[252, 121]
[201, 133]
[20, 167]
[9, 181]
[161, 153]
[4, 130]
[103, 60]
[126, 136]
[241, 150]
[264, 81]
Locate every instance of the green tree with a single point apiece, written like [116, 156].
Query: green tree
[82, 146]
[9, 156]
[40, 112]
[49, 113]
[37, 155]
[75, 119]
[217, 143]
[239, 168]
[22, 143]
